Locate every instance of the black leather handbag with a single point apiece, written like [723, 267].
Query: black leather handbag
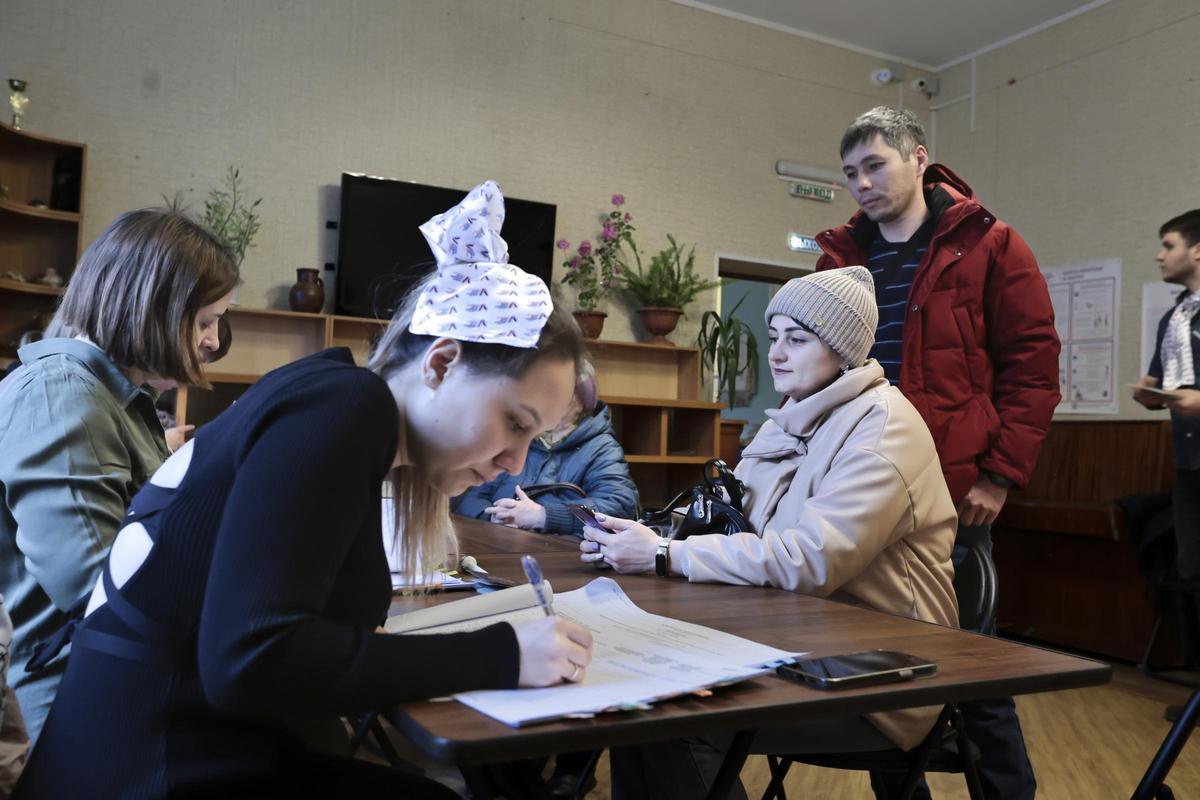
[714, 506]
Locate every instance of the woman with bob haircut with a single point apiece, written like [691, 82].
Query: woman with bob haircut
[245, 589]
[78, 431]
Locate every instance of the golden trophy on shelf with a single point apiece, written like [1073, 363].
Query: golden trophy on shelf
[17, 100]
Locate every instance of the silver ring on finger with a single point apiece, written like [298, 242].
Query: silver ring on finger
[574, 673]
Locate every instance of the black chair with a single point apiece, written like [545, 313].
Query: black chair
[1153, 786]
[947, 748]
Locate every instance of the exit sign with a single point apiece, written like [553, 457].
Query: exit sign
[811, 191]
[799, 243]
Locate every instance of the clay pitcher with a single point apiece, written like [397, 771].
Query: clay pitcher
[308, 292]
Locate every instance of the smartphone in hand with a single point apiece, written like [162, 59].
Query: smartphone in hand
[858, 669]
[584, 514]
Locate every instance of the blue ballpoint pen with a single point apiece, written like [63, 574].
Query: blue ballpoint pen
[533, 571]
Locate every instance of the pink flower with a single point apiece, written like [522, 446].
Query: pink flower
[609, 233]
[562, 244]
[585, 248]
[618, 199]
[628, 217]
[573, 263]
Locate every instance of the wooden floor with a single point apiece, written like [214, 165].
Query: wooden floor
[1085, 744]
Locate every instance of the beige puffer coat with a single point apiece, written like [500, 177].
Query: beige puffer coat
[847, 495]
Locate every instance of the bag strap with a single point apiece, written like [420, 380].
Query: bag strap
[718, 475]
[544, 488]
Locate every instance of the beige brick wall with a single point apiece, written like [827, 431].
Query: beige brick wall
[564, 101]
[1087, 138]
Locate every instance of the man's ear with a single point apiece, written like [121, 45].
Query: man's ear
[1194, 254]
[922, 157]
[442, 355]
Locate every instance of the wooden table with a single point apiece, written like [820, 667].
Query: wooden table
[970, 666]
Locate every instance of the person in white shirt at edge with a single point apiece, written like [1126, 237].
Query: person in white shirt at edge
[846, 499]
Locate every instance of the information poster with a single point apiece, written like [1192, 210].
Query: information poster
[1086, 301]
[1157, 299]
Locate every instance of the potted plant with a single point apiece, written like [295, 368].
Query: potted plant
[662, 290]
[593, 270]
[728, 348]
[227, 215]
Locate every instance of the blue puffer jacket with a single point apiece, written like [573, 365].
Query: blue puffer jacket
[589, 457]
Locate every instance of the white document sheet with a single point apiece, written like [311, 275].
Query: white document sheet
[637, 658]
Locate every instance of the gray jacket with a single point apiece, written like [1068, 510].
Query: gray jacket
[77, 440]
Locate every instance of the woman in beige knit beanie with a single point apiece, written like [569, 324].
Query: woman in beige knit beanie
[820, 326]
[845, 500]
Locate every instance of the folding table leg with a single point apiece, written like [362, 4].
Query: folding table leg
[731, 767]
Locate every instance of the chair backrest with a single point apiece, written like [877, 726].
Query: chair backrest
[975, 584]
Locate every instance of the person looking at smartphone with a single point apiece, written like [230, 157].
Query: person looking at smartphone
[577, 461]
[846, 500]
[1174, 368]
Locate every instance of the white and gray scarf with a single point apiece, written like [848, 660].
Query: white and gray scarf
[1178, 367]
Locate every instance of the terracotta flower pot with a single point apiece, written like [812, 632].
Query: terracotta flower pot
[590, 322]
[308, 292]
[659, 322]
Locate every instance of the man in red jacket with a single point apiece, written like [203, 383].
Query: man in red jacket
[966, 330]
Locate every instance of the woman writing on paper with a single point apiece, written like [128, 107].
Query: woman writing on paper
[846, 501]
[246, 585]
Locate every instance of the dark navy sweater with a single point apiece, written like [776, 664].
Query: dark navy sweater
[268, 571]
[891, 294]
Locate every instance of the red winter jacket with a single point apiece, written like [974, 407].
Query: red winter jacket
[980, 353]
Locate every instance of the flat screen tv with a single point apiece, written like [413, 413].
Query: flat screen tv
[381, 253]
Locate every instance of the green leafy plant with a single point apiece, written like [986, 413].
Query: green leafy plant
[227, 215]
[593, 270]
[669, 282]
[720, 342]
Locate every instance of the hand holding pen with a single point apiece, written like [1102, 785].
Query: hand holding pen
[533, 571]
[553, 649]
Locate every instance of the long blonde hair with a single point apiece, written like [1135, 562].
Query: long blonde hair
[422, 512]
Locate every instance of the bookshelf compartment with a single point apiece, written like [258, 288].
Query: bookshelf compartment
[692, 432]
[649, 371]
[639, 429]
[264, 339]
[359, 335]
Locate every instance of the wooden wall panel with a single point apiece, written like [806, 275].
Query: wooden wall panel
[1068, 568]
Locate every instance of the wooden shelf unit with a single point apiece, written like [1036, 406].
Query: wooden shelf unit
[665, 428]
[21, 287]
[265, 339]
[34, 239]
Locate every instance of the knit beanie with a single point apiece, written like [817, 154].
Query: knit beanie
[838, 305]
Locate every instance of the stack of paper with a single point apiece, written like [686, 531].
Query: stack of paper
[638, 657]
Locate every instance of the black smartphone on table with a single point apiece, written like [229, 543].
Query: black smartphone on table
[858, 669]
[584, 514]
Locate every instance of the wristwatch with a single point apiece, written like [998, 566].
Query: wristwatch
[661, 567]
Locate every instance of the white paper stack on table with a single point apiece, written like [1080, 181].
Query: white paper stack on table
[637, 657]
